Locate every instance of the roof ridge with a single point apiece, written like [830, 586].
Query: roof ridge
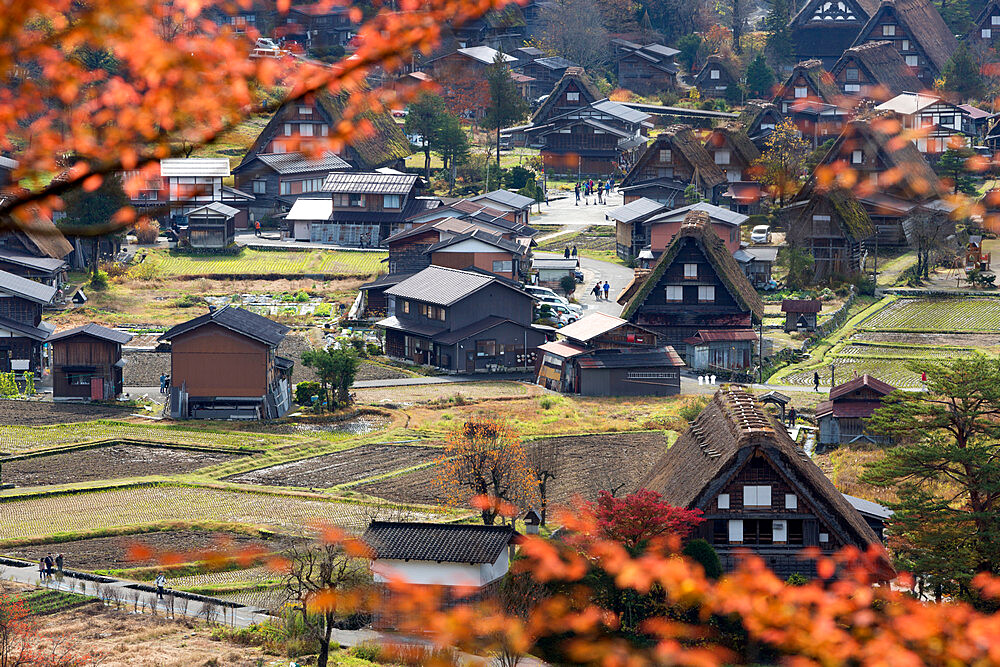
[743, 412]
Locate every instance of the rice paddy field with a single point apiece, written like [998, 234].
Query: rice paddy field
[330, 263]
[958, 315]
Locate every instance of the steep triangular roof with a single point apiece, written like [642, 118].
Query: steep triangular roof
[731, 429]
[821, 81]
[883, 64]
[725, 64]
[737, 139]
[41, 236]
[861, 9]
[752, 114]
[682, 139]
[697, 225]
[988, 10]
[921, 19]
[589, 93]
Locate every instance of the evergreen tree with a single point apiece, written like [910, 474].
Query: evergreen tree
[425, 118]
[954, 165]
[90, 213]
[760, 77]
[452, 145]
[506, 104]
[962, 76]
[779, 38]
[956, 15]
[689, 45]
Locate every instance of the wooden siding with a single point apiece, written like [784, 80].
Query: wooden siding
[215, 362]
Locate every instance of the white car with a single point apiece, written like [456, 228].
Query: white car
[555, 301]
[535, 290]
[760, 234]
[564, 314]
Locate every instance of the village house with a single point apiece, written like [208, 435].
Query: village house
[874, 71]
[87, 363]
[733, 152]
[758, 490]
[801, 314]
[841, 419]
[224, 365]
[317, 26]
[985, 32]
[482, 213]
[544, 71]
[362, 208]
[468, 559]
[549, 271]
[812, 100]
[716, 76]
[462, 321]
[463, 68]
[935, 122]
[824, 29]
[516, 208]
[501, 29]
[697, 300]
[663, 227]
[277, 180]
[672, 162]
[604, 355]
[757, 263]
[211, 227]
[645, 69]
[834, 227]
[37, 250]
[758, 120]
[917, 30]
[631, 235]
[22, 331]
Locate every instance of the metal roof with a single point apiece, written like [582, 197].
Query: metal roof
[716, 213]
[762, 253]
[634, 210]
[440, 285]
[474, 329]
[481, 235]
[438, 542]
[96, 331]
[41, 332]
[591, 326]
[369, 183]
[868, 507]
[620, 111]
[195, 166]
[290, 163]
[26, 289]
[562, 349]
[506, 198]
[909, 103]
[721, 336]
[215, 207]
[554, 263]
[311, 209]
[631, 358]
[235, 319]
[7, 163]
[661, 50]
[47, 264]
[555, 62]
[485, 54]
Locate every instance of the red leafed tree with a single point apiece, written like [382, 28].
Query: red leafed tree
[640, 517]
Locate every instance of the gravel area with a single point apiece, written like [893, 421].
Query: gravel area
[370, 371]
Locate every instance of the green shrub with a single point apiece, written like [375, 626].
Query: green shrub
[546, 402]
[796, 579]
[99, 281]
[304, 391]
[690, 410]
[188, 301]
[322, 310]
[374, 349]
[369, 651]
[704, 554]
[301, 296]
[29, 383]
[8, 387]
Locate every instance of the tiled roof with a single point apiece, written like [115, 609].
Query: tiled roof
[716, 213]
[96, 331]
[26, 289]
[562, 349]
[440, 285]
[720, 336]
[636, 209]
[235, 319]
[438, 542]
[847, 409]
[506, 198]
[290, 163]
[555, 62]
[47, 264]
[631, 358]
[369, 183]
[621, 111]
[801, 306]
[864, 381]
[480, 235]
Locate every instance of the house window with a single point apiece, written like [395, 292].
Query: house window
[353, 200]
[757, 496]
[278, 147]
[391, 201]
[905, 46]
[503, 266]
[324, 130]
[791, 501]
[721, 157]
[824, 538]
[888, 31]
[305, 111]
[486, 348]
[406, 306]
[665, 155]
[706, 293]
[665, 172]
[795, 531]
[852, 88]
[851, 74]
[912, 61]
[566, 130]
[305, 129]
[714, 74]
[675, 293]
[720, 531]
[758, 531]
[995, 20]
[857, 157]
[259, 187]
[288, 129]
[690, 270]
[801, 91]
[779, 529]
[572, 97]
[723, 501]
[987, 33]
[286, 187]
[736, 531]
[78, 379]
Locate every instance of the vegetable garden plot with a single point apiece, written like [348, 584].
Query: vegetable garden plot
[340, 467]
[135, 506]
[340, 263]
[966, 314]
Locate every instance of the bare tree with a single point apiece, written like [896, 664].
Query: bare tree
[518, 595]
[572, 29]
[545, 457]
[314, 569]
[931, 233]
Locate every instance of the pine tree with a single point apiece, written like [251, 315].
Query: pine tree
[954, 165]
[779, 39]
[424, 118]
[962, 76]
[760, 77]
[506, 104]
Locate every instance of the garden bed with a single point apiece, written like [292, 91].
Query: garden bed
[37, 413]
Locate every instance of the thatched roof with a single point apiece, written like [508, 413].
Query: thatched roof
[737, 140]
[682, 139]
[883, 65]
[987, 11]
[697, 226]
[852, 216]
[41, 234]
[725, 64]
[863, 9]
[749, 118]
[920, 18]
[820, 80]
[731, 429]
[589, 91]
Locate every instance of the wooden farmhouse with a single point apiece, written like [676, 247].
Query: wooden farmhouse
[603, 355]
[36, 250]
[645, 69]
[841, 419]
[663, 227]
[824, 29]
[463, 321]
[733, 152]
[874, 71]
[22, 331]
[457, 557]
[835, 227]
[801, 314]
[481, 212]
[212, 226]
[545, 72]
[811, 99]
[716, 76]
[757, 263]
[917, 30]
[758, 120]
[985, 32]
[631, 235]
[672, 162]
[758, 490]
[934, 122]
[697, 300]
[516, 208]
[277, 180]
[464, 67]
[87, 363]
[224, 365]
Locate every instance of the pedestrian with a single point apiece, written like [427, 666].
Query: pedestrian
[607, 288]
[791, 417]
[59, 563]
[816, 380]
[576, 189]
[41, 568]
[607, 188]
[597, 291]
[600, 191]
[256, 228]
[49, 566]
[573, 251]
[163, 383]
[167, 387]
[566, 252]
[161, 583]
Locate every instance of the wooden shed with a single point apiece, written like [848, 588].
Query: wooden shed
[212, 226]
[87, 363]
[801, 314]
[841, 419]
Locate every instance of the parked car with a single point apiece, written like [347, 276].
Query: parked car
[560, 312]
[562, 303]
[578, 274]
[539, 292]
[761, 234]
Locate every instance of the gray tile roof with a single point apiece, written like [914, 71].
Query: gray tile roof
[505, 197]
[634, 210]
[36, 333]
[26, 289]
[479, 235]
[235, 319]
[716, 213]
[290, 163]
[621, 111]
[440, 285]
[47, 264]
[95, 330]
[369, 183]
[555, 62]
[438, 542]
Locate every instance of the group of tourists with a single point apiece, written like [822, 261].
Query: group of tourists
[47, 566]
[601, 190]
[598, 288]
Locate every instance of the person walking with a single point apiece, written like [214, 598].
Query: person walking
[41, 568]
[576, 189]
[256, 228]
[597, 291]
[163, 383]
[566, 252]
[49, 566]
[573, 252]
[816, 381]
[600, 191]
[59, 563]
[161, 583]
[791, 417]
[607, 288]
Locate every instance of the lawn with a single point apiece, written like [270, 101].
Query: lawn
[331, 263]
[956, 315]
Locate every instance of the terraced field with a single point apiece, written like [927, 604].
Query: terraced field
[333, 263]
[965, 315]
